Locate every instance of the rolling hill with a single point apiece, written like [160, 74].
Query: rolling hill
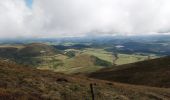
[28, 54]
[27, 50]
[26, 83]
[154, 72]
[82, 63]
[37, 49]
[43, 56]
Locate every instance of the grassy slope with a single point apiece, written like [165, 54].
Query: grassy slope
[82, 63]
[154, 72]
[23, 83]
[26, 54]
[28, 50]
[102, 54]
[30, 54]
[35, 49]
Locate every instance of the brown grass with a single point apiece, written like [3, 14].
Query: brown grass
[24, 83]
[154, 72]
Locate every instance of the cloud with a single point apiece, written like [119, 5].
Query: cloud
[12, 16]
[80, 17]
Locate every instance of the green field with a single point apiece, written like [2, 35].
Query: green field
[82, 61]
[61, 63]
[131, 58]
[71, 60]
[102, 54]
[122, 58]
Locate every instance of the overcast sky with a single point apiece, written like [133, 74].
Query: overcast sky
[55, 18]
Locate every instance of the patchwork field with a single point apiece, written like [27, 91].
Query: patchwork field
[80, 63]
[78, 58]
[131, 58]
[83, 61]
[122, 58]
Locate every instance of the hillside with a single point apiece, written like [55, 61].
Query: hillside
[27, 50]
[82, 63]
[8, 52]
[154, 72]
[25, 83]
[28, 54]
[43, 56]
[37, 49]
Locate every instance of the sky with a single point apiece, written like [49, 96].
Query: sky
[29, 3]
[62, 18]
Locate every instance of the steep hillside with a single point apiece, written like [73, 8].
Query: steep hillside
[154, 72]
[25, 83]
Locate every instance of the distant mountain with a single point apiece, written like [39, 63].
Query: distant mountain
[26, 83]
[154, 72]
